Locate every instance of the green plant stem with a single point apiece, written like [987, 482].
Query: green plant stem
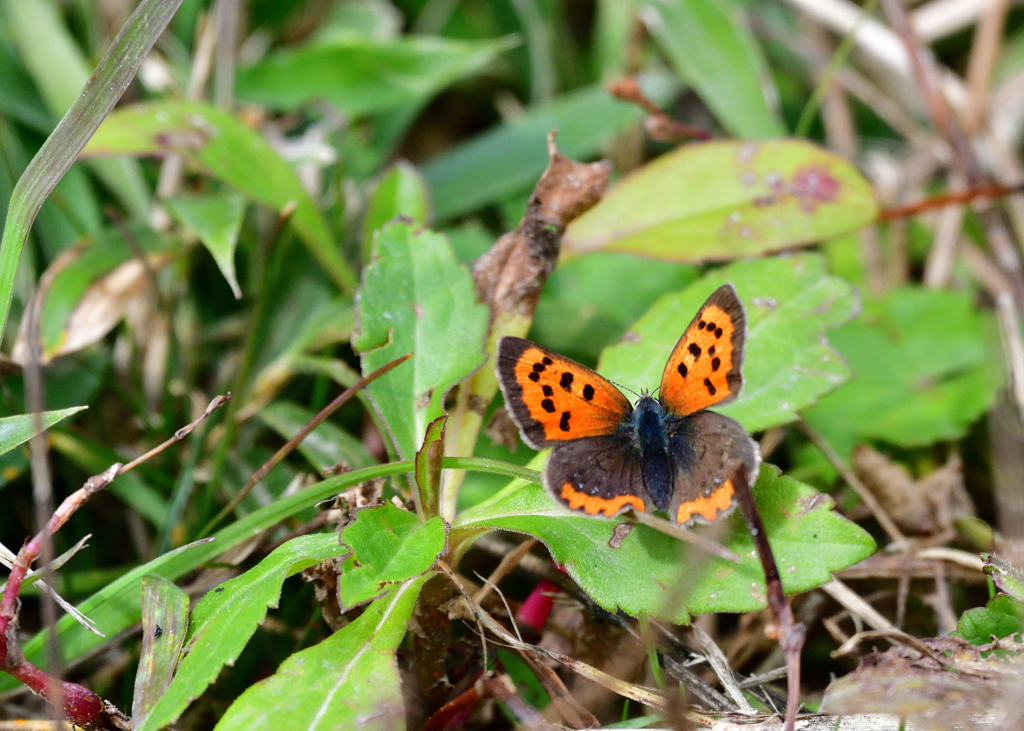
[113, 74]
[834, 64]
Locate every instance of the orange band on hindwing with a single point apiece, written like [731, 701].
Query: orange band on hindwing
[592, 505]
[707, 507]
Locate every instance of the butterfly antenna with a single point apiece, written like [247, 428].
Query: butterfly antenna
[625, 388]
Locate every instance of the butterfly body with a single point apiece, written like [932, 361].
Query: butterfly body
[667, 453]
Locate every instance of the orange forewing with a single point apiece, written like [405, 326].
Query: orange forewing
[554, 399]
[704, 368]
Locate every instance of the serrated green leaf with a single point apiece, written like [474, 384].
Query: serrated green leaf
[416, 298]
[216, 218]
[650, 573]
[508, 160]
[388, 545]
[712, 51]
[361, 75]
[576, 317]
[1007, 577]
[326, 446]
[230, 151]
[348, 681]
[1001, 617]
[924, 370]
[401, 191]
[791, 302]
[724, 200]
[227, 617]
[15, 430]
[164, 624]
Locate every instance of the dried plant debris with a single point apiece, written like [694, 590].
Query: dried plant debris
[955, 686]
[924, 507]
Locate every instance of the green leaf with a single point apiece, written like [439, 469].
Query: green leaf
[401, 191]
[362, 75]
[791, 302]
[111, 77]
[652, 573]
[164, 624]
[509, 159]
[711, 50]
[1002, 616]
[216, 218]
[428, 468]
[60, 71]
[1007, 577]
[724, 200]
[924, 367]
[576, 317]
[388, 545]
[15, 430]
[228, 150]
[326, 446]
[227, 617]
[348, 681]
[416, 298]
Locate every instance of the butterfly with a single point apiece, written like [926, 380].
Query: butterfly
[666, 453]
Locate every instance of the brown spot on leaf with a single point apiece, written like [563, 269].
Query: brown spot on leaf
[813, 185]
[619, 533]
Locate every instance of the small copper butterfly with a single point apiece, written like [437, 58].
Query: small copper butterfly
[666, 452]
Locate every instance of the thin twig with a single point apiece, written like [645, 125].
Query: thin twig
[791, 633]
[660, 125]
[688, 536]
[851, 479]
[504, 568]
[718, 662]
[292, 443]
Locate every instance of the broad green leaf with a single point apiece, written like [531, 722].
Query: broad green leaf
[15, 430]
[227, 617]
[416, 298]
[88, 293]
[576, 317]
[509, 160]
[1001, 617]
[712, 51]
[60, 71]
[164, 624]
[388, 545]
[361, 75]
[326, 446]
[228, 150]
[348, 681]
[401, 191]
[925, 367]
[1007, 577]
[216, 218]
[654, 574]
[791, 302]
[724, 200]
[428, 468]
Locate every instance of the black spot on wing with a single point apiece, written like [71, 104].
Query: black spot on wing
[548, 391]
[548, 405]
[563, 423]
[566, 381]
[588, 392]
[694, 351]
[682, 369]
[710, 386]
[715, 363]
[534, 376]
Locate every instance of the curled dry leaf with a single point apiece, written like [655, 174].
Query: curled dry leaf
[928, 506]
[510, 276]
